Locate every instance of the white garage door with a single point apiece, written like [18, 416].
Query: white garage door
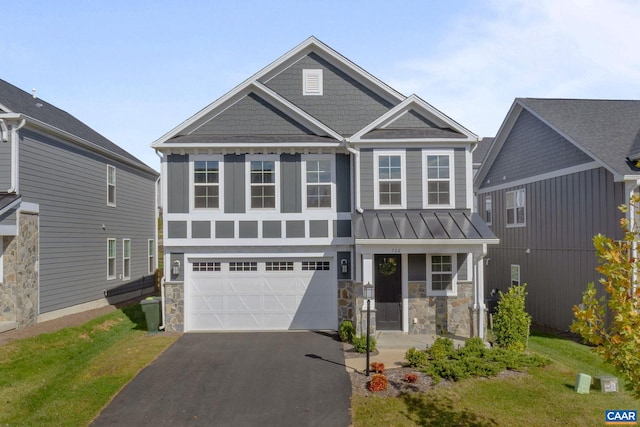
[261, 295]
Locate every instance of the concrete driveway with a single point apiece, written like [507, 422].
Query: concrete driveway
[239, 379]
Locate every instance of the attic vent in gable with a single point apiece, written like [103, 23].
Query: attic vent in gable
[312, 82]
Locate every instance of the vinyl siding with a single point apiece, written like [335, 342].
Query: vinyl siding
[234, 184]
[343, 183]
[366, 179]
[562, 216]
[70, 186]
[414, 178]
[346, 105]
[291, 183]
[5, 166]
[178, 183]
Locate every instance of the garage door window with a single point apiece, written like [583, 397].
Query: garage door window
[315, 265]
[279, 266]
[243, 266]
[206, 266]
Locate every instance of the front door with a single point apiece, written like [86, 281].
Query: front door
[388, 288]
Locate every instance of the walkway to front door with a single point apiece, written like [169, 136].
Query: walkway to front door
[388, 288]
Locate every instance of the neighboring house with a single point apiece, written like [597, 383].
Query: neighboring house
[77, 214]
[554, 177]
[308, 180]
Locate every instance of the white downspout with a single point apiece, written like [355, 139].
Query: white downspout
[356, 180]
[632, 226]
[14, 156]
[478, 303]
[162, 297]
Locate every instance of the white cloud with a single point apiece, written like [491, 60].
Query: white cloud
[518, 48]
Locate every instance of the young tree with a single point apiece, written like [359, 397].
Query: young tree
[612, 324]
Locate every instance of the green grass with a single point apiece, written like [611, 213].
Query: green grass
[544, 397]
[65, 378]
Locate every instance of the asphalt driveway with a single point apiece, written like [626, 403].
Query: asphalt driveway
[239, 379]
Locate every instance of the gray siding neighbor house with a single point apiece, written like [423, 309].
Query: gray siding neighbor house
[305, 182]
[553, 178]
[77, 215]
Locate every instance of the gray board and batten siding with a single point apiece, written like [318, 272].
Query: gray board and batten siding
[414, 161]
[346, 105]
[70, 186]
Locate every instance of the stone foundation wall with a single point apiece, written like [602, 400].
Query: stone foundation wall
[19, 290]
[174, 307]
[440, 315]
[346, 301]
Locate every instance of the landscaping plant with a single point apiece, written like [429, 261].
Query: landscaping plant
[378, 382]
[511, 322]
[377, 367]
[612, 325]
[346, 331]
[360, 344]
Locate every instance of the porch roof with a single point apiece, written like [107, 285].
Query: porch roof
[8, 200]
[460, 226]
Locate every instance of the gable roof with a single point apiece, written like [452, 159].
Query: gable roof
[38, 111]
[606, 130]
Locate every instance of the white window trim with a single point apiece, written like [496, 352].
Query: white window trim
[524, 199]
[115, 185]
[310, 90]
[267, 157]
[425, 179]
[124, 270]
[115, 256]
[192, 202]
[304, 159]
[454, 278]
[488, 202]
[376, 178]
[151, 265]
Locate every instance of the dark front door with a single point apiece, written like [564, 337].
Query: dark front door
[388, 283]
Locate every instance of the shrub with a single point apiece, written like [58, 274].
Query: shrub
[346, 331]
[360, 344]
[441, 349]
[377, 367]
[378, 382]
[411, 378]
[416, 358]
[511, 322]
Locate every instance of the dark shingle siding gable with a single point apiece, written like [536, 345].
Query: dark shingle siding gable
[19, 101]
[346, 105]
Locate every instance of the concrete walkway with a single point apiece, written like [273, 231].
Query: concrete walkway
[391, 347]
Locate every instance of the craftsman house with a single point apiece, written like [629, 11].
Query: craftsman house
[553, 178]
[308, 180]
[77, 215]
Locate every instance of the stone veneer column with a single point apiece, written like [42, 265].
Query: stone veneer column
[346, 301]
[174, 307]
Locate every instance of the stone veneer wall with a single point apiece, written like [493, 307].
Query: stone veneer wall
[19, 290]
[174, 307]
[439, 315]
[346, 300]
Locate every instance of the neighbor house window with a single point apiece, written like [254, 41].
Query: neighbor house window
[441, 277]
[111, 259]
[111, 185]
[263, 191]
[126, 259]
[389, 177]
[438, 176]
[488, 211]
[312, 82]
[151, 255]
[515, 275]
[206, 184]
[516, 204]
[318, 176]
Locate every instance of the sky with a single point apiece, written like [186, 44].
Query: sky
[134, 70]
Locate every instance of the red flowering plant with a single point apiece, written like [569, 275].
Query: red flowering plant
[378, 382]
[411, 378]
[377, 367]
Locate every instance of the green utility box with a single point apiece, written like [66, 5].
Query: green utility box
[151, 309]
[583, 383]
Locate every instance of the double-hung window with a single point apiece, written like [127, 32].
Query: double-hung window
[206, 183]
[126, 259]
[389, 178]
[111, 259]
[318, 173]
[516, 205]
[111, 185]
[263, 181]
[441, 275]
[438, 184]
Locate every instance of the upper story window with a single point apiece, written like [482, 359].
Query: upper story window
[438, 173]
[488, 210]
[516, 206]
[263, 182]
[111, 185]
[389, 179]
[206, 184]
[318, 175]
[312, 82]
[111, 259]
[441, 276]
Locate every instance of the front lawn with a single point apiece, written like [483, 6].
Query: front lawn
[544, 397]
[65, 378]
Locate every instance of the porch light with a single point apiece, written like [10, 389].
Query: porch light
[369, 291]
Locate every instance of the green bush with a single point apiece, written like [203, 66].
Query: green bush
[416, 358]
[360, 343]
[441, 349]
[511, 322]
[346, 331]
